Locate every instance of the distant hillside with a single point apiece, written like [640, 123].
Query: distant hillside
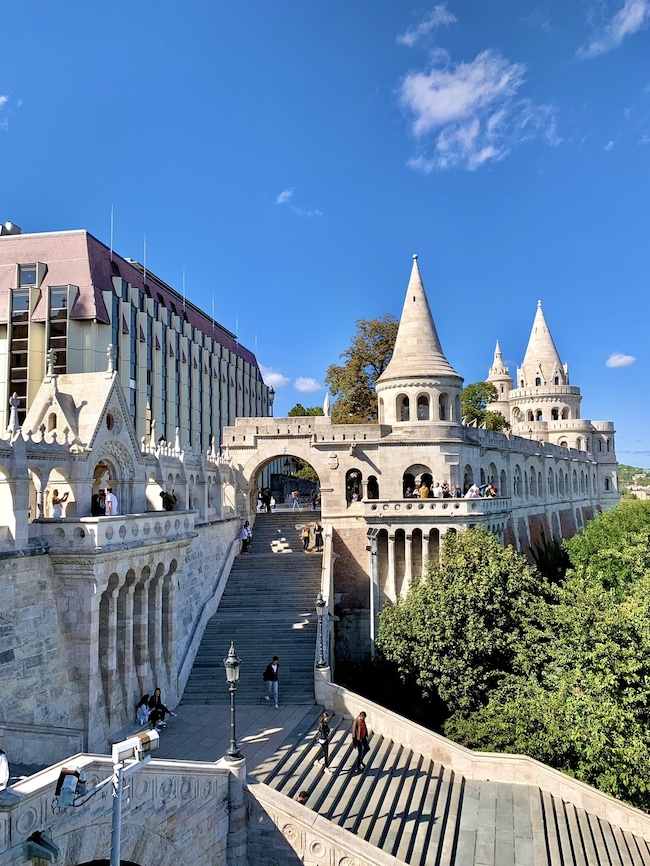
[628, 475]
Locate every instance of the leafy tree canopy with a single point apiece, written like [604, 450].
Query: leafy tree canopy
[300, 411]
[306, 472]
[353, 383]
[633, 475]
[474, 398]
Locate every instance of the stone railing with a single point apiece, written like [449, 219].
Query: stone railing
[84, 534]
[278, 826]
[442, 509]
[483, 766]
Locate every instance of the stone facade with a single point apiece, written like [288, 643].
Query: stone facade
[551, 475]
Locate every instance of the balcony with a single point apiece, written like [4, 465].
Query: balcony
[435, 509]
[91, 534]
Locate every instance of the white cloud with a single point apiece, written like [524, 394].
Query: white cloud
[618, 359]
[285, 196]
[305, 212]
[3, 100]
[633, 15]
[272, 378]
[645, 139]
[609, 146]
[306, 385]
[471, 112]
[438, 15]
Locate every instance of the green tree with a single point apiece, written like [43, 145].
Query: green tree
[460, 628]
[306, 471]
[353, 383]
[473, 400]
[299, 411]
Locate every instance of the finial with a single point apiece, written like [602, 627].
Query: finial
[111, 354]
[415, 257]
[51, 361]
[539, 304]
[13, 425]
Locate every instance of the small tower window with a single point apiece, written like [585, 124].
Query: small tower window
[556, 381]
[51, 421]
[423, 408]
[538, 381]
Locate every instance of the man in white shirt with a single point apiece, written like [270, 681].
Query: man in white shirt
[111, 503]
[436, 491]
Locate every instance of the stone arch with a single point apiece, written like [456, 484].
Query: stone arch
[608, 484]
[493, 475]
[413, 476]
[51, 422]
[516, 481]
[551, 482]
[381, 410]
[566, 413]
[457, 416]
[539, 415]
[503, 483]
[555, 414]
[529, 415]
[408, 484]
[579, 443]
[468, 477]
[533, 483]
[353, 485]
[373, 487]
[599, 444]
[136, 843]
[403, 408]
[35, 493]
[58, 479]
[608, 443]
[582, 481]
[423, 407]
[444, 408]
[575, 481]
[540, 487]
[525, 485]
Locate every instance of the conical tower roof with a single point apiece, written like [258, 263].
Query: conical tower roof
[542, 358]
[498, 370]
[417, 351]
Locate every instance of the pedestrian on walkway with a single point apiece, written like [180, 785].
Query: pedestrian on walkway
[302, 797]
[318, 537]
[110, 503]
[142, 711]
[158, 710]
[246, 535]
[271, 679]
[305, 537]
[360, 741]
[323, 740]
[295, 500]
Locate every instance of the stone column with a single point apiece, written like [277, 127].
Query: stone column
[108, 647]
[156, 626]
[169, 633]
[425, 551]
[126, 627]
[141, 633]
[390, 579]
[408, 565]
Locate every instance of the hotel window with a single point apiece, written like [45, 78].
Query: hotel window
[176, 397]
[163, 391]
[58, 327]
[18, 350]
[115, 329]
[149, 374]
[133, 367]
[26, 275]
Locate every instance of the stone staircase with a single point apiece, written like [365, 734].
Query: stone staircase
[422, 813]
[267, 609]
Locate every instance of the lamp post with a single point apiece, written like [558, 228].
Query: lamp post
[231, 664]
[320, 608]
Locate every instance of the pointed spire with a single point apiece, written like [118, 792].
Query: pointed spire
[542, 360]
[417, 349]
[498, 370]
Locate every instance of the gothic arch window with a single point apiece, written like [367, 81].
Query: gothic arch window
[525, 485]
[538, 381]
[560, 484]
[403, 410]
[533, 483]
[594, 483]
[468, 478]
[608, 484]
[373, 487]
[608, 442]
[353, 488]
[530, 416]
[503, 483]
[540, 488]
[408, 484]
[599, 445]
[516, 481]
[565, 414]
[443, 407]
[381, 410]
[51, 422]
[555, 415]
[556, 380]
[539, 415]
[501, 389]
[551, 485]
[423, 407]
[579, 444]
[521, 384]
[575, 481]
[582, 481]
[493, 476]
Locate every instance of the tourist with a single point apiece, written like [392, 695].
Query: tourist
[260, 502]
[169, 500]
[322, 738]
[446, 492]
[305, 537]
[312, 499]
[458, 493]
[436, 491]
[302, 797]
[423, 491]
[57, 503]
[272, 504]
[360, 741]
[318, 537]
[246, 535]
[111, 503]
[295, 500]
[408, 493]
[158, 710]
[142, 711]
[266, 500]
[4, 770]
[270, 677]
[473, 492]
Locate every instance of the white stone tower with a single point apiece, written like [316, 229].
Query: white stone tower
[502, 381]
[419, 385]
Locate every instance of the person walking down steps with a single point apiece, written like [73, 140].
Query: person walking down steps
[305, 537]
[270, 677]
[323, 740]
[360, 741]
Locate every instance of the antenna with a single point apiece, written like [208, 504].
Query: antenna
[183, 288]
[144, 263]
[237, 328]
[111, 232]
[213, 315]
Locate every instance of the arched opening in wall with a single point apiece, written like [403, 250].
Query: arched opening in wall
[353, 485]
[551, 484]
[140, 631]
[582, 481]
[278, 477]
[106, 644]
[408, 485]
[608, 484]
[35, 487]
[501, 389]
[538, 381]
[468, 478]
[516, 482]
[413, 477]
[416, 553]
[7, 509]
[599, 444]
[400, 561]
[153, 493]
[593, 485]
[533, 483]
[403, 412]
[124, 646]
[575, 481]
[556, 380]
[503, 483]
[555, 415]
[423, 407]
[381, 410]
[456, 417]
[539, 415]
[443, 407]
[104, 475]
[560, 484]
[609, 444]
[525, 485]
[373, 487]
[492, 475]
[516, 415]
[579, 444]
[382, 564]
[214, 498]
[540, 488]
[432, 551]
[565, 414]
[169, 586]
[59, 497]
[51, 422]
[482, 482]
[529, 415]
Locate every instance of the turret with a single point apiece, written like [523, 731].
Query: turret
[419, 384]
[502, 381]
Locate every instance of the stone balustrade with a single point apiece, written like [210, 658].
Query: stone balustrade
[84, 534]
[440, 509]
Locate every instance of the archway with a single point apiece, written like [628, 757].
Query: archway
[278, 477]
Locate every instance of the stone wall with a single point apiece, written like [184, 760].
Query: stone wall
[174, 813]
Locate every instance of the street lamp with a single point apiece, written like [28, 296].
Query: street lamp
[231, 664]
[286, 466]
[321, 604]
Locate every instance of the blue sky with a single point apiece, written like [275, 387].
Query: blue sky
[292, 156]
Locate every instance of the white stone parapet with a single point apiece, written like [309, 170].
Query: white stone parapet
[84, 534]
[443, 509]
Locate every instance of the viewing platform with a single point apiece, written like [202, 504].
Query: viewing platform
[439, 509]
